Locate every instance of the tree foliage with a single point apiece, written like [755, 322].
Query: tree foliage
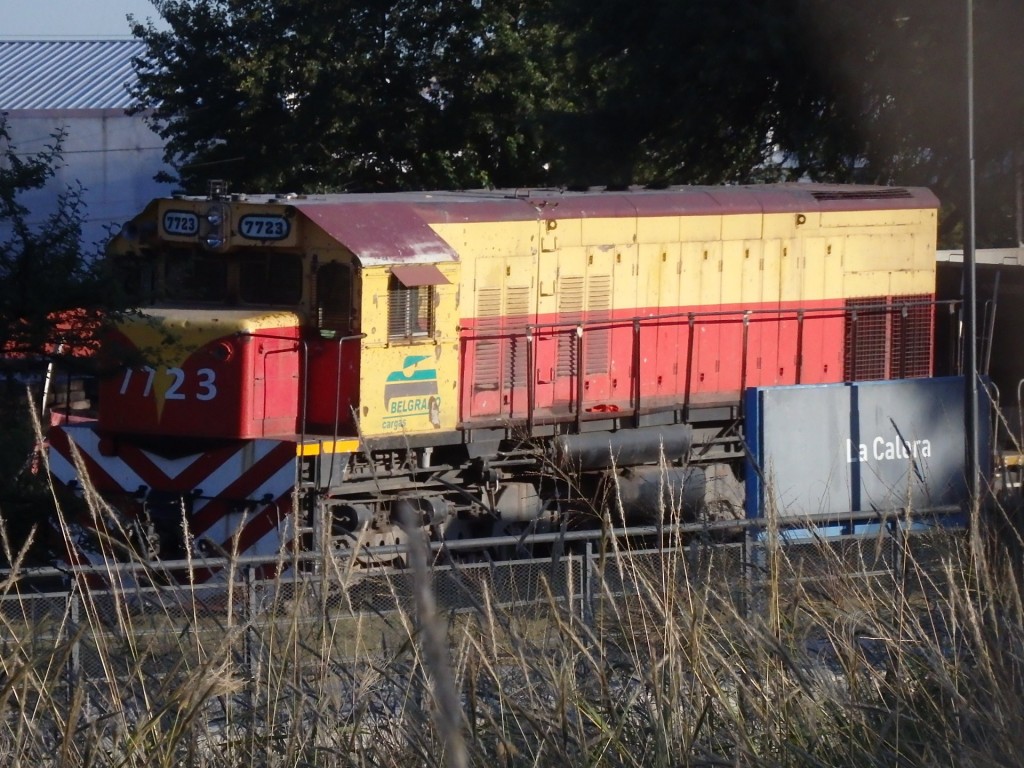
[342, 94]
[898, 71]
[393, 94]
[52, 296]
[51, 291]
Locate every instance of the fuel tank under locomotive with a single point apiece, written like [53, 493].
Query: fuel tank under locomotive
[639, 476]
[646, 475]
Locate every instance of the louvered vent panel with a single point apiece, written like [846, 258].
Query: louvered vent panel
[410, 310]
[892, 193]
[517, 311]
[570, 310]
[596, 349]
[487, 369]
[399, 307]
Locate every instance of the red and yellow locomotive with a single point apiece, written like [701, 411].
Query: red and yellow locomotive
[317, 366]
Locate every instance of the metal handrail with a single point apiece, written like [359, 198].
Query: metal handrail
[530, 332]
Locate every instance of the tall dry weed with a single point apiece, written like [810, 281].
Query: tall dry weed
[903, 649]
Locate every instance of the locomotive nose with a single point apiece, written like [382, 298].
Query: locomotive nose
[226, 374]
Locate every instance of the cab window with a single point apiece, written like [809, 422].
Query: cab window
[194, 276]
[270, 278]
[135, 277]
[334, 297]
[410, 310]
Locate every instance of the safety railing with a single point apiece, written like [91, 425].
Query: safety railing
[582, 369]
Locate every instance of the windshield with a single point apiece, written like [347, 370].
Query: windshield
[197, 277]
[270, 278]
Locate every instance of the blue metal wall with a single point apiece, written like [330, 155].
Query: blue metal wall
[858, 447]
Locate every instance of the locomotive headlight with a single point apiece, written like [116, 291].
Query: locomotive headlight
[214, 234]
[215, 215]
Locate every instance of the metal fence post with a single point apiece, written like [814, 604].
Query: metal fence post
[587, 588]
[75, 658]
[751, 564]
[250, 634]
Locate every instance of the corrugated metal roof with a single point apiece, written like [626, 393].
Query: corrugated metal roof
[66, 74]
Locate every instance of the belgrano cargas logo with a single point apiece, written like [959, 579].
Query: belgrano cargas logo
[411, 391]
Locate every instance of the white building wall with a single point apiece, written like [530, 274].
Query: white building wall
[115, 158]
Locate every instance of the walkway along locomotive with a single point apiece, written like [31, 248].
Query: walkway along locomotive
[311, 368]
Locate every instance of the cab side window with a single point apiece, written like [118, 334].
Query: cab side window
[410, 310]
[334, 297]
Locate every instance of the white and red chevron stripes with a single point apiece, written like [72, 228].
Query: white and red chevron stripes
[242, 492]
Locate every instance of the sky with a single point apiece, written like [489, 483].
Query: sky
[69, 19]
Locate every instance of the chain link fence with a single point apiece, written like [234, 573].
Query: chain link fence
[112, 639]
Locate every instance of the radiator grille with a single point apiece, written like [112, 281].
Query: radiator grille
[910, 356]
[888, 338]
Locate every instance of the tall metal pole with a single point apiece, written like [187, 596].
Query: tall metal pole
[970, 289]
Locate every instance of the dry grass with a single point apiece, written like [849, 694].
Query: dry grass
[802, 655]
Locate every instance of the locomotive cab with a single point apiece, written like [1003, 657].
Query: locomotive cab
[260, 319]
[213, 352]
